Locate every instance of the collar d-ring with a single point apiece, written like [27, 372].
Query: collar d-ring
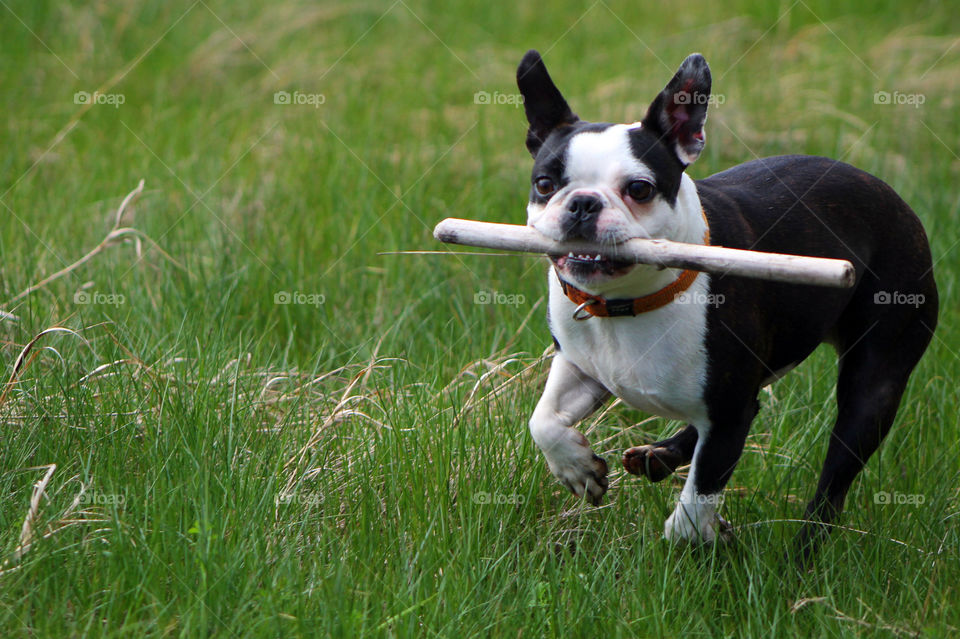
[581, 313]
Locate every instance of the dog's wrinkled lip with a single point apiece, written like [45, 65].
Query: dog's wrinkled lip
[590, 266]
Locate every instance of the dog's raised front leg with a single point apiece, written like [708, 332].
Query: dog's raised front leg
[568, 397]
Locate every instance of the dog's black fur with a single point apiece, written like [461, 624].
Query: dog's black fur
[791, 204]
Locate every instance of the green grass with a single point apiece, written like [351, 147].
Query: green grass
[179, 420]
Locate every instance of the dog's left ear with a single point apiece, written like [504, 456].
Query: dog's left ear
[678, 113]
[544, 104]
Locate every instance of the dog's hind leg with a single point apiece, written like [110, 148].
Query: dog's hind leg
[873, 376]
[658, 460]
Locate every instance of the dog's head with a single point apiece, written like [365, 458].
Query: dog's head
[606, 183]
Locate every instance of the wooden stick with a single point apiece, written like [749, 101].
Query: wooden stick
[778, 267]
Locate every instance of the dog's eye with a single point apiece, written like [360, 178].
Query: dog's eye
[640, 190]
[544, 186]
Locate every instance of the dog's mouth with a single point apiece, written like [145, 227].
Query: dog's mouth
[590, 266]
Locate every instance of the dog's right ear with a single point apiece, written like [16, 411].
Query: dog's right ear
[545, 107]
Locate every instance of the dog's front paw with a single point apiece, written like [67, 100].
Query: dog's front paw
[653, 462]
[587, 479]
[697, 524]
[578, 468]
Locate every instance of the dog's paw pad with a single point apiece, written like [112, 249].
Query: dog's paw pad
[653, 462]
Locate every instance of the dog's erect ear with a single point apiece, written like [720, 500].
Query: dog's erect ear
[678, 113]
[545, 107]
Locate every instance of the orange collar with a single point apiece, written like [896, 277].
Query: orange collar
[597, 306]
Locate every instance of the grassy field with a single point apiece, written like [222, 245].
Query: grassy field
[249, 423]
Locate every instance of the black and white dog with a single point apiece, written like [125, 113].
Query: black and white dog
[698, 347]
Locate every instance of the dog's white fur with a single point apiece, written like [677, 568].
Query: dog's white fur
[695, 516]
[655, 362]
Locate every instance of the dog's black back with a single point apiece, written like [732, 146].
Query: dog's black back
[818, 207]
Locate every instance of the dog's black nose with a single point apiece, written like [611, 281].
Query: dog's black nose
[580, 219]
[584, 207]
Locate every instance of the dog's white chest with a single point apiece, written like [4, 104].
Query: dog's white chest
[655, 362]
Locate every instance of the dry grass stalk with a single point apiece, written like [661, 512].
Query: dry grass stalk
[116, 234]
